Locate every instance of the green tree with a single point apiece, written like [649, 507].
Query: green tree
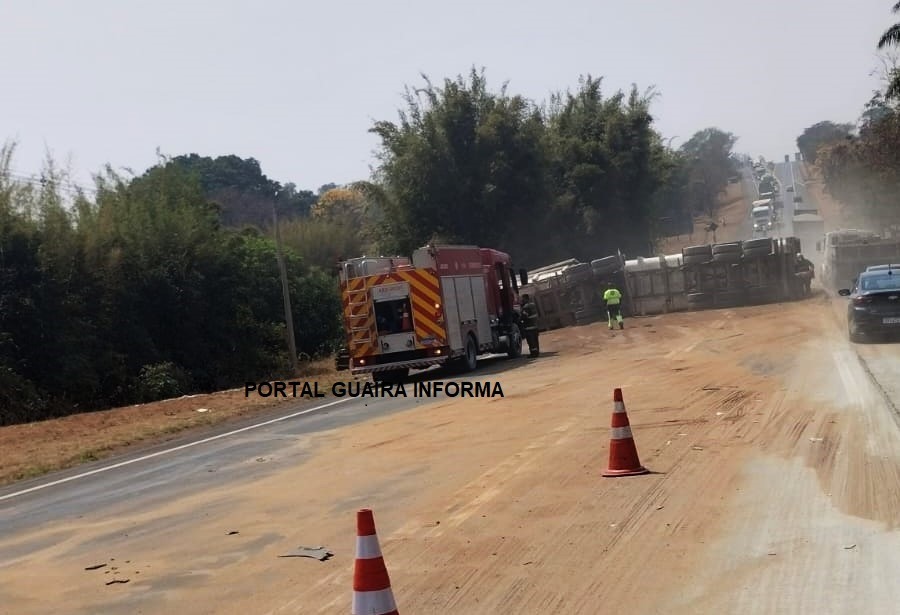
[708, 154]
[462, 163]
[864, 173]
[891, 38]
[602, 153]
[819, 134]
[244, 194]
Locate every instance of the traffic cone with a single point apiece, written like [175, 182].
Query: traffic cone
[623, 455]
[372, 593]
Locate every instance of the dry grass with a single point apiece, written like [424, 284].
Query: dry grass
[33, 449]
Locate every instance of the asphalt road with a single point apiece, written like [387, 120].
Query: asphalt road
[238, 453]
[788, 174]
[752, 189]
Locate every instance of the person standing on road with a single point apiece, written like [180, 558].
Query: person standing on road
[529, 325]
[613, 299]
[805, 271]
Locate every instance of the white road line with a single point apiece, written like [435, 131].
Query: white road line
[169, 450]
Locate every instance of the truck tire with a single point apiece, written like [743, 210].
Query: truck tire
[470, 359]
[756, 252]
[727, 257]
[696, 259]
[699, 300]
[605, 265]
[697, 250]
[515, 343]
[727, 248]
[578, 273]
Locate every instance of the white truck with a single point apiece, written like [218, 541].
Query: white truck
[762, 215]
[809, 227]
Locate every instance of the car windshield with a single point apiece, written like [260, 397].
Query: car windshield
[880, 282]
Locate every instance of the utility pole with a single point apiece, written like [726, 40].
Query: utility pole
[285, 289]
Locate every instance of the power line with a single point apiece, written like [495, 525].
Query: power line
[65, 185]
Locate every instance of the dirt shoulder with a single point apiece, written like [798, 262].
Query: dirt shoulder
[33, 449]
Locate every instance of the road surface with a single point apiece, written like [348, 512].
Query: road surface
[788, 174]
[775, 462]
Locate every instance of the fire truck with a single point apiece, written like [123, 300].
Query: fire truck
[446, 305]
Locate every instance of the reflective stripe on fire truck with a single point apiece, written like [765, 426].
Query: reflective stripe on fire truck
[359, 317]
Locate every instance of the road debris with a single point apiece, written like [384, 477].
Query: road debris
[853, 546]
[319, 553]
[114, 581]
[232, 533]
[817, 439]
[95, 567]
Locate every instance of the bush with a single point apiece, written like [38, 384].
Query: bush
[162, 381]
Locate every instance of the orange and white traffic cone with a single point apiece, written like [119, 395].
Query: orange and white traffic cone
[623, 455]
[372, 593]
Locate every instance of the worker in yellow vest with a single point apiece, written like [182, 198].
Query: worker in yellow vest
[613, 299]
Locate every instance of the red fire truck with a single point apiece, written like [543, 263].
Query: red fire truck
[445, 306]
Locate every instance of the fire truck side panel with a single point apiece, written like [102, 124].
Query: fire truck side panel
[479, 296]
[451, 313]
[465, 310]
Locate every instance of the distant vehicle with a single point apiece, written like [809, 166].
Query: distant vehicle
[798, 198]
[874, 305]
[787, 157]
[763, 217]
[789, 189]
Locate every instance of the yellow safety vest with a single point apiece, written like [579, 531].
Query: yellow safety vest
[612, 296]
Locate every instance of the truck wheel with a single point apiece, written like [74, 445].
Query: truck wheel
[470, 361]
[515, 343]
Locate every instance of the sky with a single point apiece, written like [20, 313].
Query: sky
[297, 84]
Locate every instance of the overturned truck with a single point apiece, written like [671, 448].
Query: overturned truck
[731, 274]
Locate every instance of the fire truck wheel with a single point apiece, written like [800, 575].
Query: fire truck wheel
[470, 362]
[515, 343]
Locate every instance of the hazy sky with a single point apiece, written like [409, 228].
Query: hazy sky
[296, 85]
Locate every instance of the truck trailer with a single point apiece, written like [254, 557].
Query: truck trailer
[446, 305]
[847, 252]
[809, 227]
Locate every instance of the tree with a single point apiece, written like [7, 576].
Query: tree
[710, 162]
[602, 153]
[463, 163]
[244, 195]
[819, 134]
[864, 173]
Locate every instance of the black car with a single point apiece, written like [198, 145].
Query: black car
[874, 304]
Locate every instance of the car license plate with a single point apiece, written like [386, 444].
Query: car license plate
[891, 320]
